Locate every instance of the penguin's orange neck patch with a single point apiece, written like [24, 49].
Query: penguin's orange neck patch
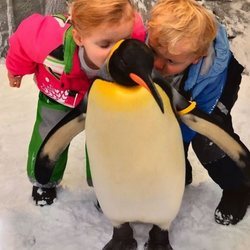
[116, 97]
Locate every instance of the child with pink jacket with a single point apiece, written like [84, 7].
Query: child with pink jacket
[65, 54]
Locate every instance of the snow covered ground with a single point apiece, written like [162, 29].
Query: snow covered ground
[72, 222]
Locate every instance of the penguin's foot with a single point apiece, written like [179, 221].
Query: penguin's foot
[158, 240]
[149, 246]
[233, 206]
[122, 239]
[43, 196]
[128, 244]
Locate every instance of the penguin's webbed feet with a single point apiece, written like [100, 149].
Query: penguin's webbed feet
[122, 239]
[152, 246]
[158, 240]
[129, 244]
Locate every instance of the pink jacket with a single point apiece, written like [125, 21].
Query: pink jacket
[30, 52]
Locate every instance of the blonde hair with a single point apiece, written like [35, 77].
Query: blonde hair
[172, 21]
[88, 14]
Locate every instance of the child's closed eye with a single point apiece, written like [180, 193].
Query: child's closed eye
[105, 44]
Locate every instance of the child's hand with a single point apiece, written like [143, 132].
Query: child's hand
[14, 81]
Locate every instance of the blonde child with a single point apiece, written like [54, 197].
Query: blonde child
[65, 54]
[193, 53]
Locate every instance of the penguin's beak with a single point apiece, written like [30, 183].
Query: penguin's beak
[150, 86]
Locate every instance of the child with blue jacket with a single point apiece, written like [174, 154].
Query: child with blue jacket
[192, 52]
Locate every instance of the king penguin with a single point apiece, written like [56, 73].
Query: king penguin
[136, 157]
[135, 146]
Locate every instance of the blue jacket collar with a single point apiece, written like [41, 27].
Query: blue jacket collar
[220, 55]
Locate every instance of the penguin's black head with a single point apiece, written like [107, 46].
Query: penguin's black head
[131, 63]
[131, 56]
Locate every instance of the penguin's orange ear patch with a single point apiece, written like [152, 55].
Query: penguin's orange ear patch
[188, 109]
[115, 47]
[138, 80]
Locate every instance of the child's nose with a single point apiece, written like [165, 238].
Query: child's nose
[159, 63]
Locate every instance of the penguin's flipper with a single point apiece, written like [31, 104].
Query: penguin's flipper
[235, 149]
[204, 124]
[57, 141]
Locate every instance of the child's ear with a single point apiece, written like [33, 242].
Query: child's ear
[196, 60]
[77, 37]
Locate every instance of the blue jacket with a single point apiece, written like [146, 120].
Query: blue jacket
[206, 79]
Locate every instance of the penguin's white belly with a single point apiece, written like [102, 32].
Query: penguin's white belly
[136, 157]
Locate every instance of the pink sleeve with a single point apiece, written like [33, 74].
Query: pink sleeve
[139, 31]
[34, 39]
